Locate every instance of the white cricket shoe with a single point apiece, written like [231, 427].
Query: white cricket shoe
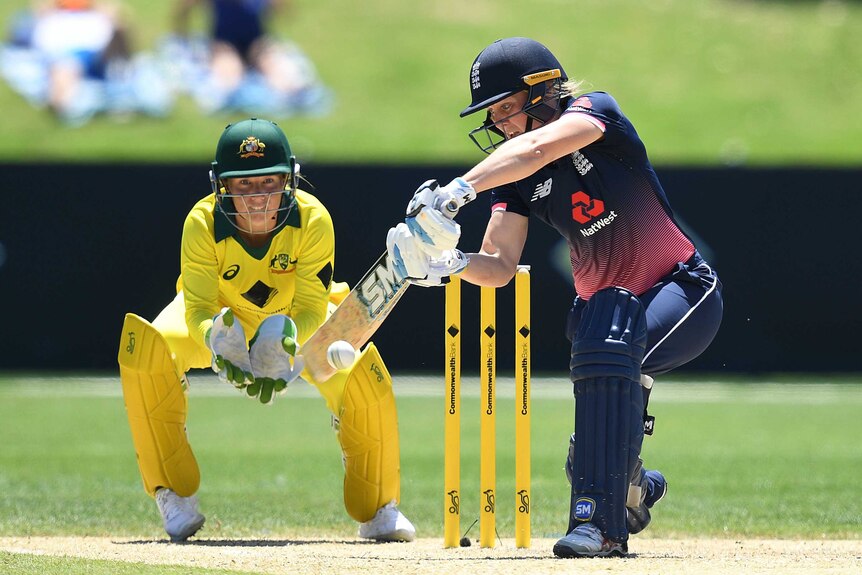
[179, 514]
[586, 540]
[388, 524]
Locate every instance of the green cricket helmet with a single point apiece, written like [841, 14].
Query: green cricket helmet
[251, 148]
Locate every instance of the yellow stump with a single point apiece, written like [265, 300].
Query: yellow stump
[452, 419]
[487, 471]
[522, 407]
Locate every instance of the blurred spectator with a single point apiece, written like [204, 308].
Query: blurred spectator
[74, 57]
[239, 67]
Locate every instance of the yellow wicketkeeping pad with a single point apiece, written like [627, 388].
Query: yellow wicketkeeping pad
[368, 433]
[156, 405]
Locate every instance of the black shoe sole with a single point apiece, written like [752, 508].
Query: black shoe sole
[566, 553]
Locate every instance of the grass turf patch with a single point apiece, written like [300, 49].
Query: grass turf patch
[742, 459]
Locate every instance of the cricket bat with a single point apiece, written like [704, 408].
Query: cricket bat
[357, 318]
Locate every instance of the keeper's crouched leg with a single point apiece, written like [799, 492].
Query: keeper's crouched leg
[156, 406]
[367, 427]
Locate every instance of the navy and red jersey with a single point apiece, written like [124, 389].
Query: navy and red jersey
[608, 204]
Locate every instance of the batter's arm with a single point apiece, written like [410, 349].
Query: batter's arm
[497, 261]
[525, 154]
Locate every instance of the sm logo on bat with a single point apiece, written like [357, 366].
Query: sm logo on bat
[380, 285]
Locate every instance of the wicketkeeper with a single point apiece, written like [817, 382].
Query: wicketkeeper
[647, 302]
[256, 281]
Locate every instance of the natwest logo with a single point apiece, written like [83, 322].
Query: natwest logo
[585, 208]
[598, 224]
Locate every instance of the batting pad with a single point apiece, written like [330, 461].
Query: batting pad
[605, 368]
[368, 433]
[156, 405]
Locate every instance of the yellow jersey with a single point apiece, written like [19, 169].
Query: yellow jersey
[291, 274]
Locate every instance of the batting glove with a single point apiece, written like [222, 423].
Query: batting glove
[448, 199]
[430, 213]
[406, 253]
[273, 352]
[440, 269]
[226, 341]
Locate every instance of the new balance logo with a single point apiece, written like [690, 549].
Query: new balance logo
[542, 189]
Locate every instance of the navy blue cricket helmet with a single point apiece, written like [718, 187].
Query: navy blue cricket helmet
[506, 67]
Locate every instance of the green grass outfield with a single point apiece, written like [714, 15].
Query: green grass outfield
[744, 459]
[704, 81]
[22, 564]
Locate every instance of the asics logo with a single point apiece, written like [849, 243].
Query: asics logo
[231, 272]
[542, 189]
[585, 208]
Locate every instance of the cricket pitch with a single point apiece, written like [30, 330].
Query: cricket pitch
[426, 556]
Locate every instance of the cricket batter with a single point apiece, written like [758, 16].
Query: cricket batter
[646, 303]
[256, 281]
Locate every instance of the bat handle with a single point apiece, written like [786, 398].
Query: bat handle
[448, 207]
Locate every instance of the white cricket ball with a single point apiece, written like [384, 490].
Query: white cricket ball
[340, 354]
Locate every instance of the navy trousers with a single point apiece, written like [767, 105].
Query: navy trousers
[683, 312]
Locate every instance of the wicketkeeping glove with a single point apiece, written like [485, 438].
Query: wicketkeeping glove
[226, 340]
[273, 352]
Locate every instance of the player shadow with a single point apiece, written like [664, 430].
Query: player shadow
[246, 542]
